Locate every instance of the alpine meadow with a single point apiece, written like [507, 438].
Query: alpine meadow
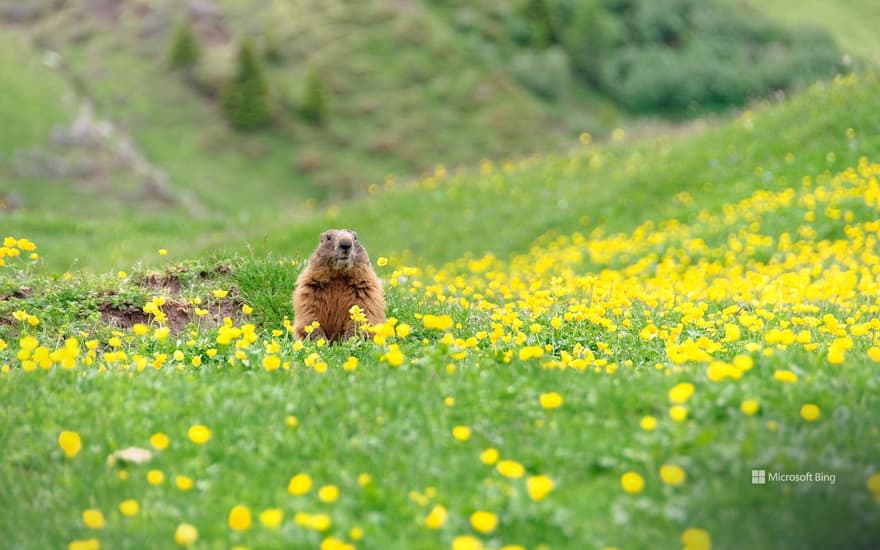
[630, 251]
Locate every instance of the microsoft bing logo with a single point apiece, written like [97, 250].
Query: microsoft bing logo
[759, 477]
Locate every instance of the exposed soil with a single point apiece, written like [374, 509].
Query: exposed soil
[178, 312]
[162, 282]
[19, 294]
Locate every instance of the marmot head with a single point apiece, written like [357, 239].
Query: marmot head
[339, 249]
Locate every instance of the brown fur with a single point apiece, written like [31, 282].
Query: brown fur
[334, 280]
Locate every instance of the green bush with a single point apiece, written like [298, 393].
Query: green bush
[314, 102]
[681, 55]
[666, 55]
[184, 52]
[546, 73]
[587, 39]
[245, 98]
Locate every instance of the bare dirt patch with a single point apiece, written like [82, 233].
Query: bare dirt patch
[122, 316]
[166, 282]
[19, 294]
[178, 313]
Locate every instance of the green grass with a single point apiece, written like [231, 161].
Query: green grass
[34, 96]
[852, 22]
[393, 423]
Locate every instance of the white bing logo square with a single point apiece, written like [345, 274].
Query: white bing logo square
[759, 477]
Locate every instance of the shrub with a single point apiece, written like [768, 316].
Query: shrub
[546, 73]
[314, 102]
[680, 55]
[185, 51]
[587, 39]
[245, 98]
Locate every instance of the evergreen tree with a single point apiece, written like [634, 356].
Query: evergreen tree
[245, 98]
[314, 101]
[540, 19]
[587, 40]
[272, 49]
[185, 51]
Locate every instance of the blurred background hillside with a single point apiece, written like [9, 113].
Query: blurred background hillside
[135, 124]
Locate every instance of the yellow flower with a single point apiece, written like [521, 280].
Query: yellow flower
[436, 518]
[271, 362]
[836, 355]
[403, 330]
[632, 482]
[484, 522]
[785, 376]
[88, 544]
[140, 329]
[333, 543]
[511, 469]
[648, 423]
[467, 542]
[743, 363]
[489, 456]
[155, 477]
[749, 407]
[550, 400]
[461, 433]
[163, 252]
[199, 434]
[272, 517]
[680, 393]
[393, 356]
[220, 293]
[129, 507]
[382, 261]
[240, 518]
[672, 475]
[531, 352]
[185, 534]
[300, 484]
[70, 443]
[696, 539]
[539, 487]
[810, 412]
[873, 483]
[292, 421]
[26, 245]
[350, 364]
[364, 479]
[122, 274]
[449, 401]
[183, 483]
[328, 493]
[246, 309]
[93, 519]
[159, 441]
[437, 322]
[678, 413]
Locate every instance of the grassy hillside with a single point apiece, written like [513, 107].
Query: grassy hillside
[582, 189]
[851, 21]
[404, 88]
[384, 117]
[609, 377]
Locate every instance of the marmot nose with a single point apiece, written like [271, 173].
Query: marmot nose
[344, 245]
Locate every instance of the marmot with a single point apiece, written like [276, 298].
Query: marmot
[338, 276]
